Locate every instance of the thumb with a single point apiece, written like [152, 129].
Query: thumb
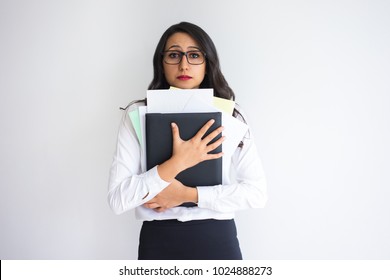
[175, 132]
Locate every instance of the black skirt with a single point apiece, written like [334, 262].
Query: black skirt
[193, 240]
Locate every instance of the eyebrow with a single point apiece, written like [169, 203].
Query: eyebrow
[177, 46]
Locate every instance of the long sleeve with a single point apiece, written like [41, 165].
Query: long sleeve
[248, 184]
[129, 186]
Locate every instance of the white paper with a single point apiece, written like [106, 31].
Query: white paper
[196, 104]
[194, 101]
[142, 112]
[174, 101]
[234, 129]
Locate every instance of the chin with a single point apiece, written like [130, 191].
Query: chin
[186, 86]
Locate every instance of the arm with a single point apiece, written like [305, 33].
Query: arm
[248, 190]
[185, 155]
[129, 187]
[173, 195]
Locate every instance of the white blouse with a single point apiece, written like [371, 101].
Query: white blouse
[243, 182]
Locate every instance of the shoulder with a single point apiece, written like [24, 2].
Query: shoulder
[129, 111]
[239, 113]
[134, 105]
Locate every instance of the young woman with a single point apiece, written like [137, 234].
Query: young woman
[186, 58]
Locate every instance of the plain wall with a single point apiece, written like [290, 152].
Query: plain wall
[312, 77]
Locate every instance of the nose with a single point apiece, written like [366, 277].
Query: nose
[184, 63]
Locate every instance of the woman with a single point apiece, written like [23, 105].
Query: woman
[186, 58]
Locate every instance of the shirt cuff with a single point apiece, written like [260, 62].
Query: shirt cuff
[206, 197]
[154, 182]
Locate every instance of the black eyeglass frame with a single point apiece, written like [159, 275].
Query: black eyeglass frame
[184, 54]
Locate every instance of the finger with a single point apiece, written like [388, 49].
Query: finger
[153, 200]
[216, 144]
[152, 205]
[159, 209]
[213, 156]
[199, 135]
[175, 132]
[213, 134]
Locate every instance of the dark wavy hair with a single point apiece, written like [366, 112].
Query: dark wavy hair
[213, 79]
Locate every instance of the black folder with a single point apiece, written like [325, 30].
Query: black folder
[159, 145]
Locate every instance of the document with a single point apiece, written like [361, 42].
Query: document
[135, 120]
[191, 101]
[159, 145]
[234, 130]
[174, 101]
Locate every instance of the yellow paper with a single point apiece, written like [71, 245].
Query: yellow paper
[224, 105]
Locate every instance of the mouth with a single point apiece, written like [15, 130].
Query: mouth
[184, 78]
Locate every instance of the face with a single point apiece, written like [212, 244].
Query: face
[183, 75]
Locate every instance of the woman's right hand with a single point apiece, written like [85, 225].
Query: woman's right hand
[195, 150]
[188, 153]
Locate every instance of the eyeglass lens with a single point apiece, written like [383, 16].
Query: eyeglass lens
[175, 57]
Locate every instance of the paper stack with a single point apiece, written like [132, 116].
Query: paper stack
[190, 101]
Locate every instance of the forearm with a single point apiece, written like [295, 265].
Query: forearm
[169, 169]
[127, 193]
[233, 197]
[248, 189]
[129, 185]
[191, 195]
[173, 195]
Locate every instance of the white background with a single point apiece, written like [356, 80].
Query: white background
[312, 76]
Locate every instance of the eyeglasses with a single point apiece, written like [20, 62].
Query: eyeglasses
[175, 57]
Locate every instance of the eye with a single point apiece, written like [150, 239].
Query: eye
[194, 54]
[174, 54]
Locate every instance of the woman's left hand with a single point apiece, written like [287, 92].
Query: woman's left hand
[173, 195]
